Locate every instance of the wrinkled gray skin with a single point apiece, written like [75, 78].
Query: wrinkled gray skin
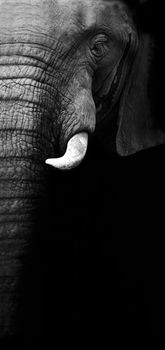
[58, 60]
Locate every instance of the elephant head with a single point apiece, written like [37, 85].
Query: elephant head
[67, 68]
[111, 82]
[94, 67]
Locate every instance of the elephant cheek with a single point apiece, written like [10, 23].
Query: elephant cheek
[81, 116]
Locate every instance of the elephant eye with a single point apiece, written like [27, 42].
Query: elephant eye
[99, 46]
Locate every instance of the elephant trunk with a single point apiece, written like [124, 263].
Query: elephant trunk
[22, 189]
[30, 104]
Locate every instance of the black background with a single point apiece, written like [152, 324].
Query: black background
[105, 261]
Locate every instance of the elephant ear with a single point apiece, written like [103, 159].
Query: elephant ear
[138, 126]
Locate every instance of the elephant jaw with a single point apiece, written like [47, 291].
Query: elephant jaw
[75, 152]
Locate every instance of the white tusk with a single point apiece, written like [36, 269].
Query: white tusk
[75, 152]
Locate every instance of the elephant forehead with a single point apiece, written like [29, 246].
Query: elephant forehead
[86, 11]
[75, 15]
[45, 17]
[47, 20]
[83, 12]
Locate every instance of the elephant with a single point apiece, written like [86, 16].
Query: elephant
[70, 70]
